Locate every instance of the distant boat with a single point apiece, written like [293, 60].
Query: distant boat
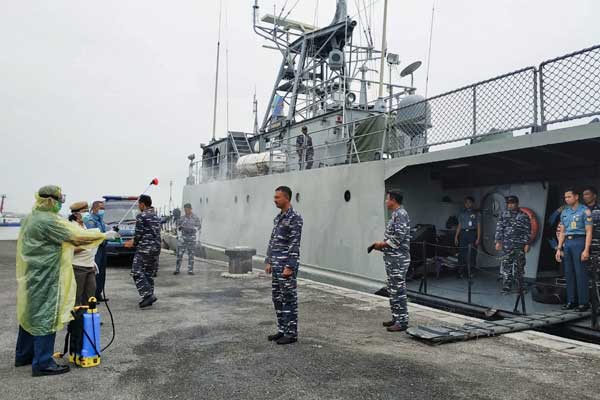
[8, 219]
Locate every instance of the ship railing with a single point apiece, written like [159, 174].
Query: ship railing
[522, 102]
[570, 86]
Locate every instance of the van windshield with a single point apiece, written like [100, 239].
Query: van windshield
[116, 209]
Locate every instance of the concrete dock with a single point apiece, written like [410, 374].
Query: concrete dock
[205, 338]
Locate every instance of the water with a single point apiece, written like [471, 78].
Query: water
[9, 232]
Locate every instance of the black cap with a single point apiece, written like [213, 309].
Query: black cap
[187, 205]
[512, 199]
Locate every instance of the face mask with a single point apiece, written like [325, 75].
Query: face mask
[100, 213]
[57, 206]
[85, 215]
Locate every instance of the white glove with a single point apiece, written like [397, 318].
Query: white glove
[112, 235]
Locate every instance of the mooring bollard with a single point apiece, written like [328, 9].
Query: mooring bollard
[240, 259]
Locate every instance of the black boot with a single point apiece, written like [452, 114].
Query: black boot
[276, 336]
[287, 340]
[388, 323]
[148, 301]
[569, 306]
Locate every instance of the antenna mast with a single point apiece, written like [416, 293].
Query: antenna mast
[217, 75]
[383, 48]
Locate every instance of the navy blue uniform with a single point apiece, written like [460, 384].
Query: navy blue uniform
[147, 242]
[468, 219]
[306, 152]
[514, 233]
[97, 221]
[187, 241]
[284, 251]
[396, 256]
[574, 223]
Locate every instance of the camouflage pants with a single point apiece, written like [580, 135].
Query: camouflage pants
[512, 267]
[143, 268]
[184, 246]
[285, 299]
[395, 268]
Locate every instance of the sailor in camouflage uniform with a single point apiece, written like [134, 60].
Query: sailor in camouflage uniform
[282, 261]
[147, 243]
[513, 234]
[187, 225]
[590, 197]
[396, 256]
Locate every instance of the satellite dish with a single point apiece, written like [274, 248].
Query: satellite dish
[409, 69]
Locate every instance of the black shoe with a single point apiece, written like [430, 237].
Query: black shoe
[287, 340]
[583, 308]
[22, 363]
[569, 306]
[276, 336]
[190, 272]
[388, 323]
[397, 328]
[176, 273]
[506, 290]
[155, 274]
[148, 301]
[53, 370]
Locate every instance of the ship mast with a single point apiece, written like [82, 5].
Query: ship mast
[214, 130]
[383, 48]
[2, 204]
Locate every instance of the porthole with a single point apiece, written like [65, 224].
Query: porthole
[347, 195]
[297, 197]
[235, 199]
[200, 200]
[207, 200]
[247, 198]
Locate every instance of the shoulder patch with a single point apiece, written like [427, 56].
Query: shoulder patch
[588, 212]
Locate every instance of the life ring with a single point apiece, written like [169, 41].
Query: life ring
[535, 226]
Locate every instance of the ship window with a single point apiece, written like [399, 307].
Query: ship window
[297, 197]
[200, 200]
[347, 195]
[235, 199]
[247, 198]
[207, 200]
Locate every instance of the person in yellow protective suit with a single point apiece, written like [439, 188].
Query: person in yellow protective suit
[45, 281]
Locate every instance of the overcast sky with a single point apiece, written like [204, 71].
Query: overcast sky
[101, 96]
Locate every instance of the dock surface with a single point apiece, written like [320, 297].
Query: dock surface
[205, 338]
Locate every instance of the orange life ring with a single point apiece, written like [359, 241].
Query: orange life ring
[535, 226]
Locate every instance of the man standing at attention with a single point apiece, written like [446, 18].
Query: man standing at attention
[468, 233]
[282, 262]
[147, 249]
[396, 256]
[576, 236]
[513, 234]
[187, 226]
[304, 147]
[96, 221]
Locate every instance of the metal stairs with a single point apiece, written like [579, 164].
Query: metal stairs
[240, 144]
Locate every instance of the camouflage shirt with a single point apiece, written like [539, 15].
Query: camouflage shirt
[284, 246]
[595, 209]
[397, 234]
[513, 229]
[187, 226]
[147, 232]
[304, 142]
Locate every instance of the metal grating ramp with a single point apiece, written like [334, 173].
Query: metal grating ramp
[474, 330]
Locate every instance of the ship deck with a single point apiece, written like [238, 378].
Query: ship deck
[206, 338]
